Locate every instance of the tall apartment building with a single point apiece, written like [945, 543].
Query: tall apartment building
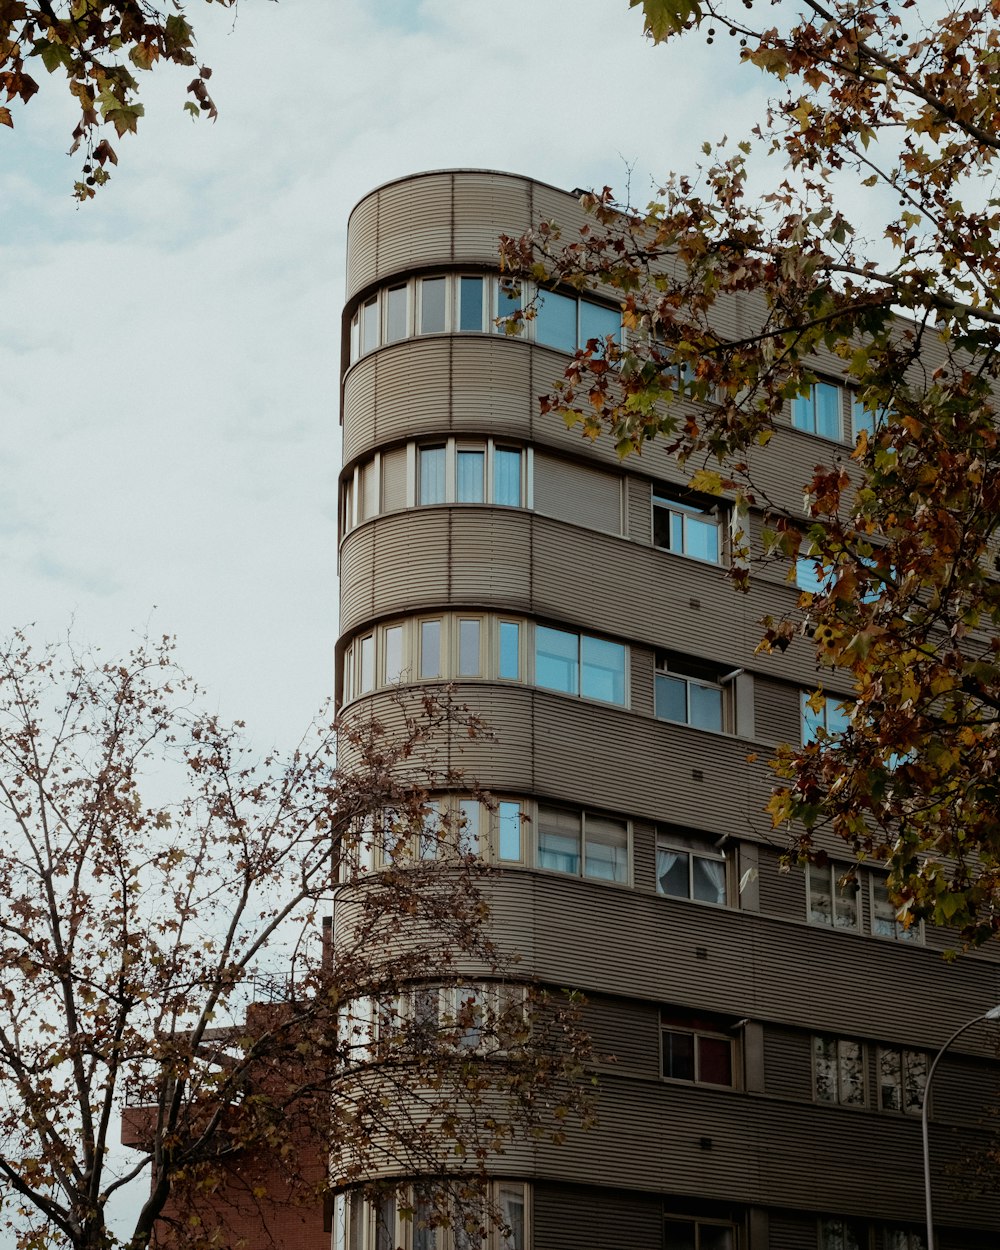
[771, 1031]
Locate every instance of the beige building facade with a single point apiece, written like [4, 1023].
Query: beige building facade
[764, 1036]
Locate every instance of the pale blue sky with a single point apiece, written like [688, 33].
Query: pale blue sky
[170, 352]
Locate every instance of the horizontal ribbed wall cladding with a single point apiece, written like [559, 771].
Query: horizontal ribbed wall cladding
[770, 1152]
[720, 959]
[435, 219]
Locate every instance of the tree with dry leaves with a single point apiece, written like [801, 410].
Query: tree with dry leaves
[161, 962]
[100, 46]
[868, 259]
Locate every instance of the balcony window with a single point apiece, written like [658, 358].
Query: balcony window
[396, 319]
[507, 477]
[555, 324]
[509, 831]
[696, 1050]
[885, 918]
[509, 659]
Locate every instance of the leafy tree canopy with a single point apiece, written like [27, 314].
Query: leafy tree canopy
[100, 46]
[872, 257]
[160, 961]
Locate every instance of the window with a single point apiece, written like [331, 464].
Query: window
[690, 868]
[820, 713]
[477, 304]
[469, 661]
[885, 917]
[509, 831]
[810, 576]
[507, 477]
[567, 322]
[425, 1219]
[430, 649]
[871, 420]
[689, 698]
[393, 654]
[902, 1080]
[579, 664]
[839, 1071]
[432, 475]
[470, 467]
[818, 411]
[685, 528]
[681, 1233]
[396, 313]
[432, 305]
[901, 1239]
[696, 1049]
[509, 666]
[832, 896]
[842, 1235]
[582, 844]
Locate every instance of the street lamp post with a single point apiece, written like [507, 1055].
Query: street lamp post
[992, 1014]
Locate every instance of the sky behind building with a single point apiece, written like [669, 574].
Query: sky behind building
[170, 350]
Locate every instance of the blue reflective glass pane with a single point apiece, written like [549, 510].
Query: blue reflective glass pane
[701, 539]
[507, 477]
[827, 410]
[470, 314]
[469, 472]
[838, 719]
[432, 475]
[705, 704]
[671, 698]
[510, 652]
[812, 721]
[676, 532]
[432, 306]
[555, 324]
[810, 576]
[556, 660]
[802, 412]
[602, 675]
[508, 303]
[509, 817]
[861, 418]
[597, 322]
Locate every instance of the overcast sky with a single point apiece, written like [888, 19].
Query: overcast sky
[169, 352]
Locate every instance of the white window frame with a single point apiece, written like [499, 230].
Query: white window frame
[825, 880]
[831, 718]
[907, 1059]
[699, 1222]
[912, 934]
[810, 399]
[841, 1043]
[713, 517]
[676, 1025]
[692, 847]
[661, 668]
[580, 815]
